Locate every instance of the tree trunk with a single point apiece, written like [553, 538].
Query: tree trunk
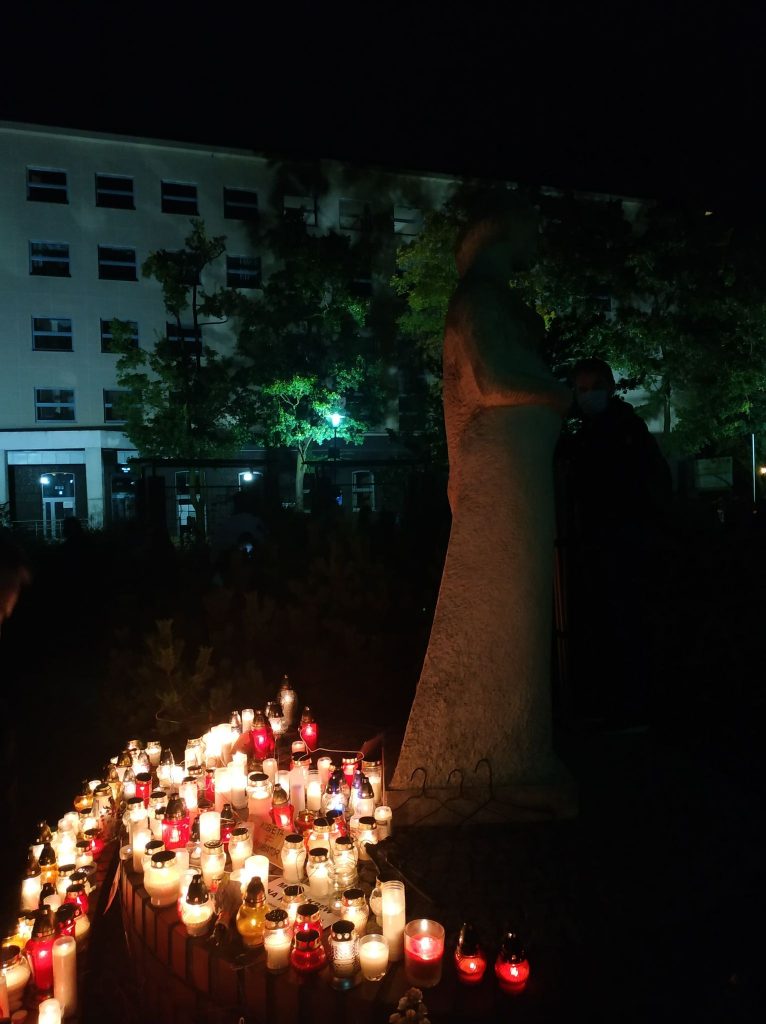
[300, 473]
[666, 409]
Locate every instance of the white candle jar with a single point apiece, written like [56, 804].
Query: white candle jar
[384, 821]
[197, 908]
[393, 917]
[292, 898]
[277, 941]
[257, 865]
[320, 872]
[367, 833]
[345, 857]
[344, 954]
[65, 974]
[213, 863]
[293, 858]
[259, 792]
[240, 847]
[154, 751]
[354, 908]
[209, 826]
[313, 791]
[16, 971]
[373, 956]
[162, 879]
[374, 771]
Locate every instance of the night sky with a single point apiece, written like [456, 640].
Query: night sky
[608, 97]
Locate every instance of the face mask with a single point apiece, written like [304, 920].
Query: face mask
[592, 403]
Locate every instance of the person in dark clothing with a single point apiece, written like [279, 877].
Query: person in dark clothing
[618, 487]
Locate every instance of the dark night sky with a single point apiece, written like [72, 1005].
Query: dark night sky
[608, 97]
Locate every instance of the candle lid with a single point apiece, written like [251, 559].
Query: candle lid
[153, 846]
[67, 912]
[197, 894]
[366, 791]
[134, 801]
[343, 931]
[468, 942]
[176, 809]
[258, 778]
[240, 832]
[213, 845]
[277, 918]
[353, 897]
[255, 896]
[142, 777]
[322, 823]
[512, 951]
[294, 839]
[367, 821]
[44, 926]
[163, 859]
[47, 855]
[319, 854]
[293, 891]
[308, 909]
[33, 865]
[9, 956]
[310, 939]
[279, 796]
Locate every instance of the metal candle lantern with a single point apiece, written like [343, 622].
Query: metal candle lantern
[288, 699]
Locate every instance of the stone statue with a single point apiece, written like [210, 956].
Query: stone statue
[484, 690]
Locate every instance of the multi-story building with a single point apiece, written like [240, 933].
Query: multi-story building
[80, 213]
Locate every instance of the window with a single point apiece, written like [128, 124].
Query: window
[362, 490]
[240, 204]
[180, 335]
[112, 411]
[107, 338]
[179, 197]
[54, 404]
[114, 191]
[408, 220]
[353, 215]
[116, 264]
[49, 259]
[305, 205]
[243, 271]
[46, 186]
[51, 334]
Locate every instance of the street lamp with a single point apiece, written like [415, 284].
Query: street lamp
[335, 418]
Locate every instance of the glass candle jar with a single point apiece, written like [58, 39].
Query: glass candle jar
[16, 972]
[238, 781]
[423, 952]
[270, 768]
[222, 787]
[334, 798]
[152, 847]
[288, 699]
[213, 863]
[65, 974]
[261, 737]
[76, 894]
[324, 768]
[162, 880]
[293, 857]
[320, 873]
[47, 861]
[368, 833]
[308, 953]
[31, 885]
[277, 940]
[154, 750]
[144, 787]
[392, 913]
[384, 821]
[49, 1011]
[39, 951]
[364, 802]
[349, 765]
[344, 954]
[228, 823]
[373, 769]
[165, 768]
[139, 837]
[128, 784]
[344, 855]
[281, 809]
[251, 916]
[247, 719]
[354, 909]
[189, 793]
[308, 916]
[176, 825]
[65, 878]
[259, 795]
[256, 866]
[197, 907]
[209, 826]
[240, 846]
[373, 956]
[309, 731]
[293, 896]
[470, 961]
[512, 966]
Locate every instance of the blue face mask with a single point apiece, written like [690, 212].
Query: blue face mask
[593, 403]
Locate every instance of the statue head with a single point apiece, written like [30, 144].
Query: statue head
[501, 235]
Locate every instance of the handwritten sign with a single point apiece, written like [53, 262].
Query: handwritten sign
[274, 899]
[268, 840]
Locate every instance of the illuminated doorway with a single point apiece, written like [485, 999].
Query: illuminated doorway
[57, 490]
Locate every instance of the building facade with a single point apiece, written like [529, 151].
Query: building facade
[81, 211]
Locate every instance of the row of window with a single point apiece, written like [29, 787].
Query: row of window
[117, 263]
[49, 185]
[57, 405]
[55, 334]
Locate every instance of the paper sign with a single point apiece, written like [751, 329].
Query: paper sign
[268, 840]
[274, 899]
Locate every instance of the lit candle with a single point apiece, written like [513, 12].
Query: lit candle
[189, 793]
[162, 880]
[154, 751]
[65, 974]
[213, 863]
[277, 941]
[288, 698]
[344, 953]
[222, 787]
[240, 847]
[30, 892]
[423, 952]
[512, 966]
[393, 917]
[270, 768]
[354, 909]
[373, 769]
[196, 907]
[297, 788]
[293, 896]
[470, 961]
[16, 973]
[320, 873]
[49, 1012]
[313, 792]
[256, 866]
[293, 858]
[368, 833]
[209, 826]
[324, 767]
[384, 822]
[140, 836]
[283, 779]
[238, 782]
[373, 956]
[259, 793]
[247, 719]
[308, 730]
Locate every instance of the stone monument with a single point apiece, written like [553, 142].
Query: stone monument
[484, 690]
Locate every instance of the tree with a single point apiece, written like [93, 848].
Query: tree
[674, 300]
[184, 399]
[306, 346]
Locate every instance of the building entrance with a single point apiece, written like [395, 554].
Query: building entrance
[58, 501]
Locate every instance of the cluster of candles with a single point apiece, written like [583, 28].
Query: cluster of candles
[188, 829]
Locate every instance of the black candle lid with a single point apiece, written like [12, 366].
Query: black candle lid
[197, 893]
[512, 951]
[468, 943]
[343, 930]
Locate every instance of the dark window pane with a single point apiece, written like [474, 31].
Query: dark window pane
[51, 335]
[112, 411]
[240, 204]
[107, 336]
[49, 259]
[114, 191]
[45, 186]
[178, 197]
[243, 271]
[116, 264]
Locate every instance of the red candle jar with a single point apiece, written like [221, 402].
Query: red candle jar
[39, 951]
[209, 786]
[95, 842]
[308, 953]
[304, 823]
[338, 825]
[76, 894]
[228, 824]
[66, 919]
[308, 730]
[308, 917]
[261, 737]
[281, 809]
[470, 961]
[423, 952]
[176, 827]
[144, 786]
[348, 767]
[512, 966]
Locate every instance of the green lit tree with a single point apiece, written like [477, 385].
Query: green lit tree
[183, 398]
[308, 351]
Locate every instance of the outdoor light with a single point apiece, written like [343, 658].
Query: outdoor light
[470, 960]
[45, 480]
[277, 940]
[308, 952]
[423, 952]
[335, 419]
[308, 729]
[247, 476]
[512, 966]
[251, 916]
